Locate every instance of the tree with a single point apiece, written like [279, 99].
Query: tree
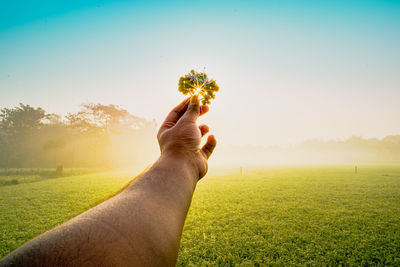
[105, 118]
[18, 126]
[22, 117]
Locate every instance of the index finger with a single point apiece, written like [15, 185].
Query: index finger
[177, 112]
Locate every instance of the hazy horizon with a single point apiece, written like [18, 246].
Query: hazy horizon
[288, 71]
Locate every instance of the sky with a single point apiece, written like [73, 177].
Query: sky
[288, 71]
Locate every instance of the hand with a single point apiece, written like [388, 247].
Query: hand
[179, 136]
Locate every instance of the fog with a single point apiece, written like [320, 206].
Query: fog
[108, 136]
[354, 150]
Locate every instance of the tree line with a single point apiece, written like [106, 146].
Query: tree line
[95, 136]
[103, 136]
[354, 150]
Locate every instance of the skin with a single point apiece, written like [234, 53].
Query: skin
[142, 225]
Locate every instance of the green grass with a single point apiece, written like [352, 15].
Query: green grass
[13, 176]
[297, 216]
[26, 210]
[275, 216]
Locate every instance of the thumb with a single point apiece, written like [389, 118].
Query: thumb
[193, 110]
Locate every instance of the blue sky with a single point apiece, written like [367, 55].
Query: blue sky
[288, 70]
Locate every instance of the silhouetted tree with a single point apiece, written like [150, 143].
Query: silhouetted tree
[96, 136]
[106, 118]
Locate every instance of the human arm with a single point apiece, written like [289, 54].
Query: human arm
[142, 225]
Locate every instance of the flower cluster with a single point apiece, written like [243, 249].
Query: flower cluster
[197, 83]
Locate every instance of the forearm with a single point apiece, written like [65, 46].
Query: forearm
[162, 197]
[142, 225]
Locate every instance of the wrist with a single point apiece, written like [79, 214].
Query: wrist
[166, 174]
[180, 163]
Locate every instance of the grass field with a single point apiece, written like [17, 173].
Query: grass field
[13, 176]
[277, 216]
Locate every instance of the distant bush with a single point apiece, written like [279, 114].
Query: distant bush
[9, 182]
[13, 181]
[13, 176]
[59, 171]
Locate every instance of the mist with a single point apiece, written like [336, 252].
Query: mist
[97, 136]
[354, 151]
[108, 136]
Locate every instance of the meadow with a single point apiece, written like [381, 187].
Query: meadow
[267, 216]
[13, 176]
